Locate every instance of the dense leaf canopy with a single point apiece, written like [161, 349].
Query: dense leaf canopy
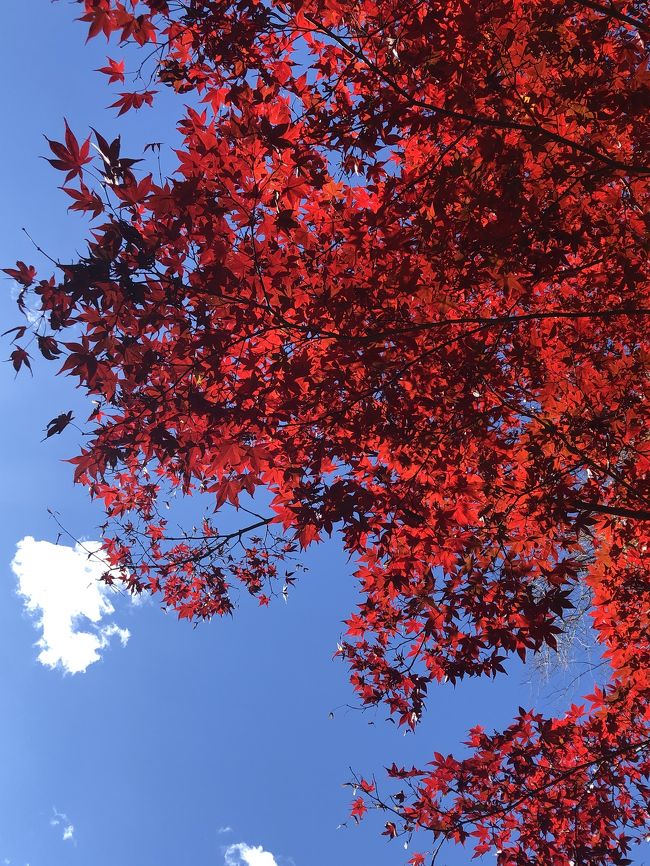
[398, 286]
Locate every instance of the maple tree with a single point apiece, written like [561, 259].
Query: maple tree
[397, 281]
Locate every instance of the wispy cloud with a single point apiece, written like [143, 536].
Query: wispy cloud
[33, 313]
[242, 854]
[60, 586]
[62, 821]
[225, 829]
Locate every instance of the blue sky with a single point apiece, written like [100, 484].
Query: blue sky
[173, 734]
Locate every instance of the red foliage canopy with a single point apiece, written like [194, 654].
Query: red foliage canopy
[399, 280]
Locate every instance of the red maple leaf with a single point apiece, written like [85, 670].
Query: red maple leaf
[70, 157]
[114, 70]
[135, 101]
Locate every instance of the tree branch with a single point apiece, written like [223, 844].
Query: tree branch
[616, 510]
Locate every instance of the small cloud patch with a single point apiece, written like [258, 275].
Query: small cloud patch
[242, 854]
[61, 588]
[62, 821]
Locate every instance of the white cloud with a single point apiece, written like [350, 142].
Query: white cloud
[242, 854]
[60, 586]
[60, 819]
[225, 829]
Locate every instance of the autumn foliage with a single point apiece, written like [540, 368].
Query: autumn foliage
[397, 285]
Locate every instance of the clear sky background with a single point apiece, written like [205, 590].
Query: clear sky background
[207, 746]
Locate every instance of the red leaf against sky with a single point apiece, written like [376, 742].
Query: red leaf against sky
[57, 425]
[134, 100]
[18, 358]
[114, 70]
[22, 273]
[70, 157]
